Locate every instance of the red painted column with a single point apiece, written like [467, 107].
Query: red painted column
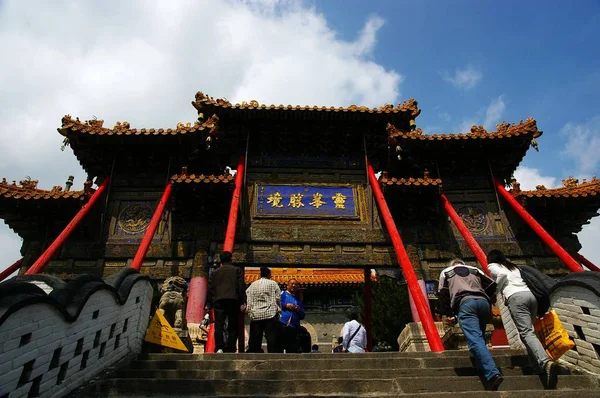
[210, 340]
[149, 234]
[230, 235]
[64, 235]
[233, 209]
[584, 260]
[10, 269]
[435, 342]
[194, 311]
[464, 231]
[368, 317]
[539, 230]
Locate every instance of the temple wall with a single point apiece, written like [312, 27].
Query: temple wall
[48, 351]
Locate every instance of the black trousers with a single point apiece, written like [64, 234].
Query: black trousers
[270, 328]
[226, 309]
[289, 339]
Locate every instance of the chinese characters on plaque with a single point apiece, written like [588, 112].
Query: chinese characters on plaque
[305, 201]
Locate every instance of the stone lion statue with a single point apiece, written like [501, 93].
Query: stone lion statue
[172, 301]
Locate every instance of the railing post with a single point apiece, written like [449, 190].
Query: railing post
[64, 235]
[538, 229]
[149, 234]
[464, 231]
[435, 342]
[10, 269]
[368, 318]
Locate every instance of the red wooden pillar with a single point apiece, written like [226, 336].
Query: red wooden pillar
[435, 342]
[64, 235]
[149, 234]
[368, 317]
[539, 230]
[464, 231]
[10, 269]
[584, 260]
[230, 235]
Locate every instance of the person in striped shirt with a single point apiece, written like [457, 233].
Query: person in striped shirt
[264, 306]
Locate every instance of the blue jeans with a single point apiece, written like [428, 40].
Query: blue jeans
[472, 317]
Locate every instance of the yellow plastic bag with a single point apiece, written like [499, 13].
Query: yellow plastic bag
[553, 335]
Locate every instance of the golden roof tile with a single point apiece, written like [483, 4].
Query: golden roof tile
[410, 181]
[198, 178]
[503, 130]
[27, 189]
[571, 189]
[311, 276]
[204, 102]
[96, 127]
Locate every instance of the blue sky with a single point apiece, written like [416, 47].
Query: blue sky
[543, 58]
[466, 62]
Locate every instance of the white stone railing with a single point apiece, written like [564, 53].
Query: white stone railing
[56, 336]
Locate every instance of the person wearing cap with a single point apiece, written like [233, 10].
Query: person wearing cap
[264, 300]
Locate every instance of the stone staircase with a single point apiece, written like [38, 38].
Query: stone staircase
[418, 374]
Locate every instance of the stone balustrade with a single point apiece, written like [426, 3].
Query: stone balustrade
[56, 336]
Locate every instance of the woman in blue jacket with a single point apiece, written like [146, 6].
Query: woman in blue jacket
[292, 312]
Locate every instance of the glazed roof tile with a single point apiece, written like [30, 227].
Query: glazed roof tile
[310, 276]
[410, 181]
[95, 127]
[198, 178]
[28, 190]
[570, 189]
[504, 130]
[203, 102]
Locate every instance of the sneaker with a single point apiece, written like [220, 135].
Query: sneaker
[493, 383]
[219, 351]
[551, 371]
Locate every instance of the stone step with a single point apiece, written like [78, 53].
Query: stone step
[326, 387]
[378, 355]
[349, 363]
[210, 374]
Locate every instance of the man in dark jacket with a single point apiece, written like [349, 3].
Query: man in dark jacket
[227, 296]
[468, 293]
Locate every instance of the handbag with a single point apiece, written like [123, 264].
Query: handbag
[553, 335]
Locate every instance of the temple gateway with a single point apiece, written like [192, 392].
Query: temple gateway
[299, 189]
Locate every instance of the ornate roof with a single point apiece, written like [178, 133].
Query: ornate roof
[504, 130]
[96, 127]
[205, 103]
[426, 181]
[198, 178]
[27, 189]
[570, 189]
[311, 276]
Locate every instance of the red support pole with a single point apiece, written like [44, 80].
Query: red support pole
[464, 231]
[538, 229]
[235, 205]
[149, 234]
[584, 260]
[368, 318]
[10, 269]
[210, 339]
[64, 235]
[435, 342]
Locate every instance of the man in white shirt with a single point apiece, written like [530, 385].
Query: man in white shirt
[354, 334]
[264, 305]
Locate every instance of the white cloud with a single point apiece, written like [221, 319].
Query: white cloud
[494, 113]
[583, 146]
[529, 178]
[463, 78]
[143, 62]
[491, 116]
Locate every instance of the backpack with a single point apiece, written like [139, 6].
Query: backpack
[540, 285]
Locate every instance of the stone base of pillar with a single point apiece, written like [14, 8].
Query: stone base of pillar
[413, 338]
